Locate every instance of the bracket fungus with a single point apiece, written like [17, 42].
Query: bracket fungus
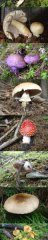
[21, 203]
[13, 24]
[27, 130]
[25, 91]
[37, 28]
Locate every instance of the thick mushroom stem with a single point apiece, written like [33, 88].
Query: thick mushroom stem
[25, 99]
[26, 139]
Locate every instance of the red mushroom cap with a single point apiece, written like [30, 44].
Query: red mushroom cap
[28, 128]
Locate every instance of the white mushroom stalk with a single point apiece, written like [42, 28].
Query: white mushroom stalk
[26, 140]
[25, 99]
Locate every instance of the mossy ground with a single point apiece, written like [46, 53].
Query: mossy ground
[39, 161]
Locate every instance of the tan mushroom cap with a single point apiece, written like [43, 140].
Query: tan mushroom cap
[37, 28]
[27, 87]
[21, 203]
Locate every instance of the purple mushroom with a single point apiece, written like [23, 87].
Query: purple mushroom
[15, 61]
[31, 59]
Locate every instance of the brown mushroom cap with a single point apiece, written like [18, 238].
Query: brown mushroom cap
[21, 203]
[27, 87]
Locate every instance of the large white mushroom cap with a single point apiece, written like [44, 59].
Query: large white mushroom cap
[21, 203]
[28, 87]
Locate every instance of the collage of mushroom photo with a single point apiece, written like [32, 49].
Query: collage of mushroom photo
[23, 119]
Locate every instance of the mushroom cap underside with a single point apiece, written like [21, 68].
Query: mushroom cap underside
[28, 87]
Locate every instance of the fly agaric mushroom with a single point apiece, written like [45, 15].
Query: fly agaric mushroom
[37, 28]
[21, 203]
[27, 130]
[15, 62]
[25, 91]
[13, 24]
[31, 59]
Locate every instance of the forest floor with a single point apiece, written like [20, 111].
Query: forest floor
[8, 175]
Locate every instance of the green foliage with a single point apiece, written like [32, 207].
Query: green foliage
[44, 75]
[31, 3]
[30, 74]
[5, 75]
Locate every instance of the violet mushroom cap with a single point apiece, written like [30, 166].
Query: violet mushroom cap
[16, 61]
[27, 130]
[21, 203]
[31, 59]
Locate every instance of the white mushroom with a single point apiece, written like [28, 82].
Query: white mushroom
[13, 24]
[25, 91]
[21, 203]
[37, 28]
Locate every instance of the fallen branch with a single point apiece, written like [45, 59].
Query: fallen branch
[8, 132]
[10, 141]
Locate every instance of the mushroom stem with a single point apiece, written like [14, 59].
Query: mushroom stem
[25, 99]
[26, 139]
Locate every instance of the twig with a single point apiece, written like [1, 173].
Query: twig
[10, 141]
[9, 131]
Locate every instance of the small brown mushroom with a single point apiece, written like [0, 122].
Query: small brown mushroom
[37, 28]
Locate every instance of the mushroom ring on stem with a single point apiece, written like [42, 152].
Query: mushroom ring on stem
[13, 24]
[21, 203]
[25, 91]
[27, 130]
